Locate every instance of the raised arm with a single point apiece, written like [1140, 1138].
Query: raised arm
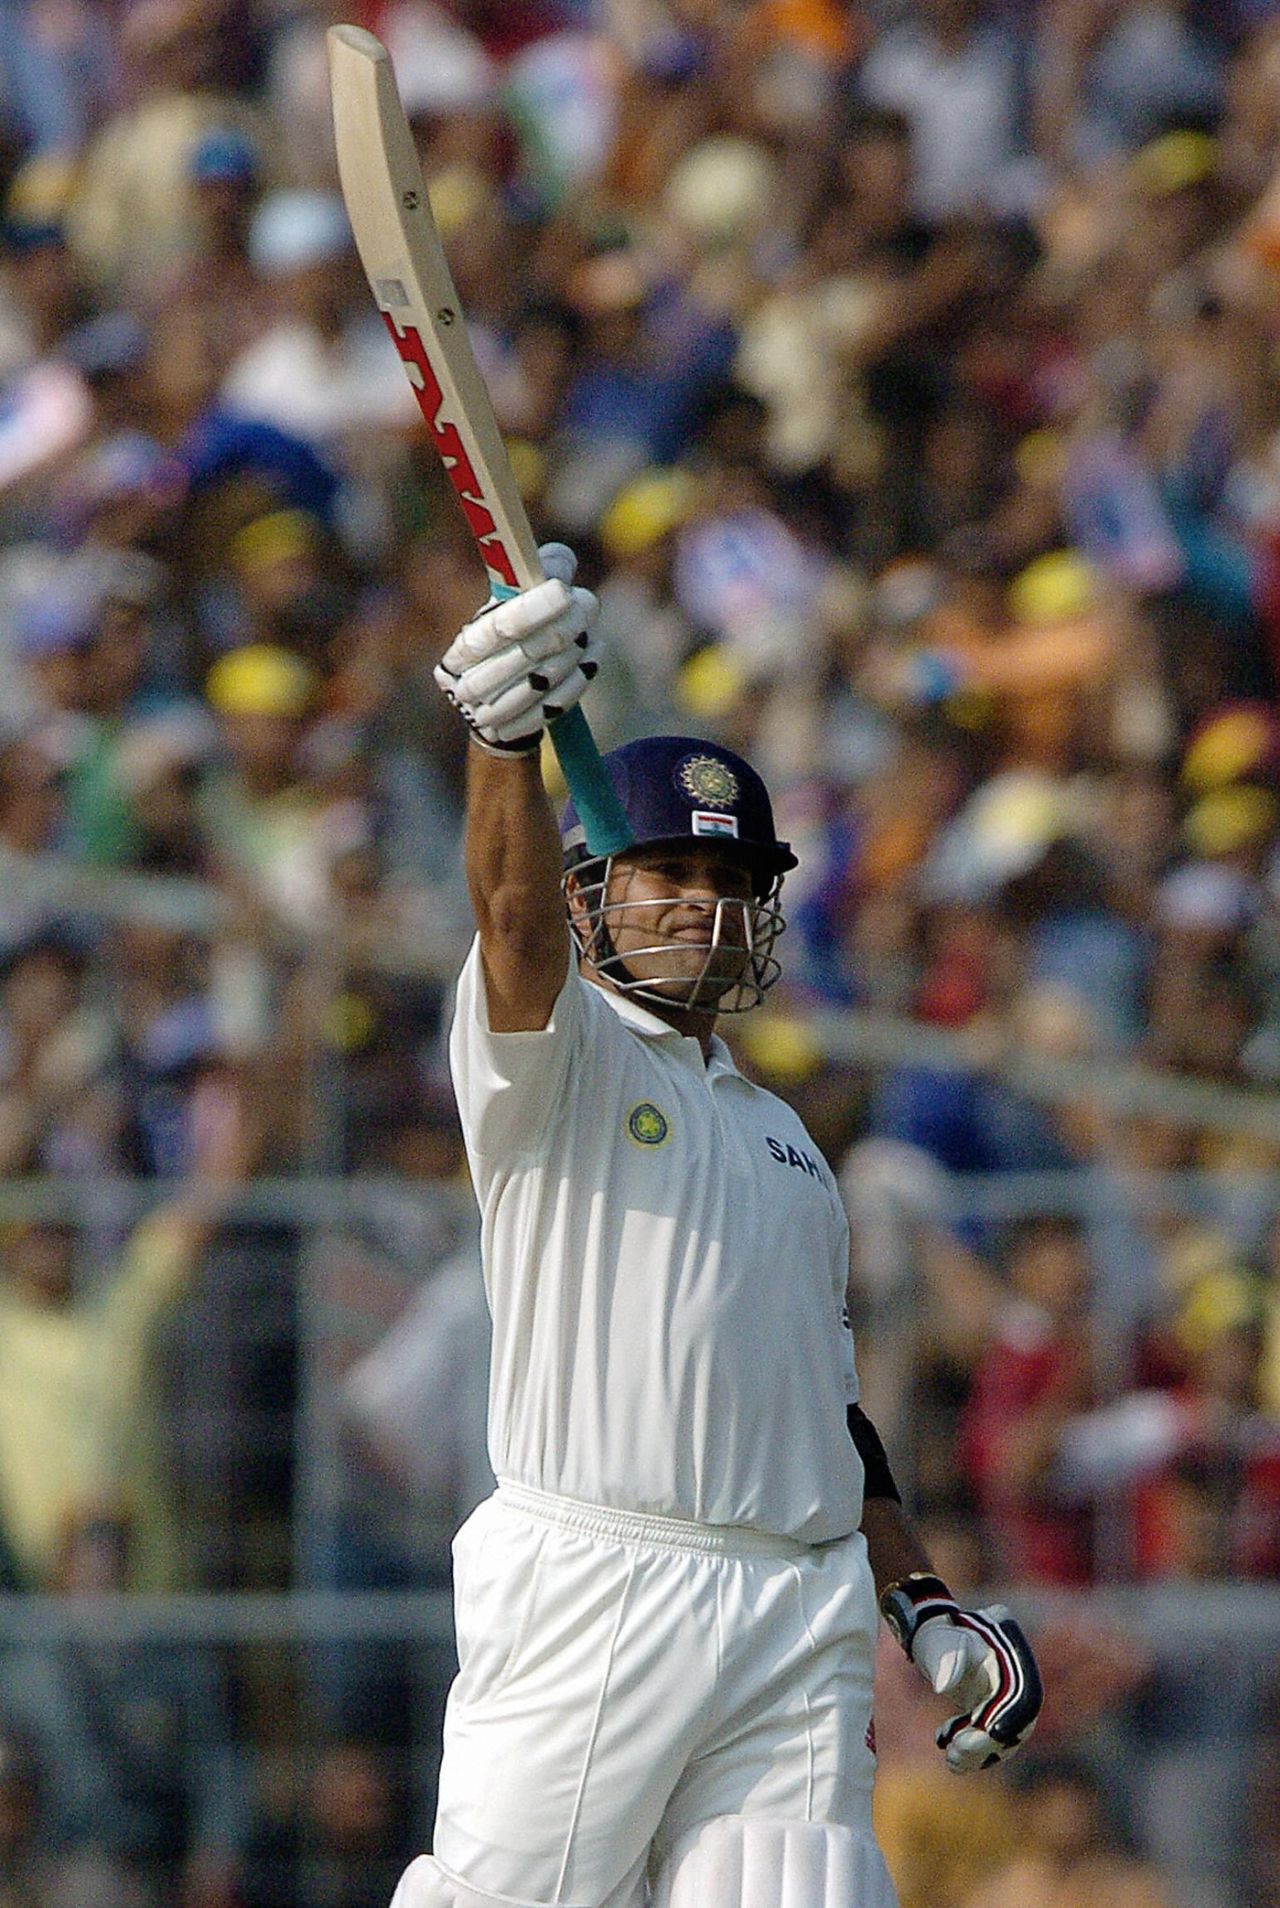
[517, 666]
[513, 874]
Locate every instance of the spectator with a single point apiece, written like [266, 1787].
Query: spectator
[79, 1437]
[214, 304]
[953, 72]
[321, 370]
[176, 1062]
[89, 646]
[42, 276]
[1035, 1375]
[1191, 1725]
[261, 813]
[58, 75]
[339, 1849]
[1069, 1855]
[130, 218]
[1199, 1461]
[142, 1779]
[1136, 73]
[57, 1042]
[650, 358]
[289, 583]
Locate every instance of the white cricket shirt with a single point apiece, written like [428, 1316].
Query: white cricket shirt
[665, 1255]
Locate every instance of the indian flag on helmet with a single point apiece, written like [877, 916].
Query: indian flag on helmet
[703, 822]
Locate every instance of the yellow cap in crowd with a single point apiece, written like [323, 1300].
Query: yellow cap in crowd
[261, 679]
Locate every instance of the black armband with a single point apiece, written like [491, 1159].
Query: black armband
[878, 1478]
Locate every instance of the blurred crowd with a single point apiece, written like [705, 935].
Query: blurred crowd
[906, 375]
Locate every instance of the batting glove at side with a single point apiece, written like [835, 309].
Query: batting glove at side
[521, 663]
[980, 1658]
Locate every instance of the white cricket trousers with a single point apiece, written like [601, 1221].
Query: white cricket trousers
[626, 1679]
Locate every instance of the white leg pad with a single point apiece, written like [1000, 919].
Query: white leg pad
[743, 1861]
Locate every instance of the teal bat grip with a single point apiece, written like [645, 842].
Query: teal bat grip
[601, 813]
[594, 795]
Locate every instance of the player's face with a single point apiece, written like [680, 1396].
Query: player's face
[679, 920]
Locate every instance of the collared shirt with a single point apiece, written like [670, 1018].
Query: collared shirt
[665, 1256]
[78, 1421]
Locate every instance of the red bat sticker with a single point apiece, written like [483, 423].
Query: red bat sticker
[453, 452]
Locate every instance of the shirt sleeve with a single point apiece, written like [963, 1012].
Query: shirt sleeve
[508, 1085]
[840, 1258]
[848, 1362]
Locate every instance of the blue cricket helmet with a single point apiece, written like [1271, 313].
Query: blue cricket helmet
[677, 788]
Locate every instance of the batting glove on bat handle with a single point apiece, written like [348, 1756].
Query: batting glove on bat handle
[523, 661]
[980, 1658]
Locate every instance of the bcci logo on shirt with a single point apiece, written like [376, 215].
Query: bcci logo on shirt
[646, 1125]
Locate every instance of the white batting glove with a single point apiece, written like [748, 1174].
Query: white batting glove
[979, 1658]
[521, 663]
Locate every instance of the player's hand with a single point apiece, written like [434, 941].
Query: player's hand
[521, 663]
[978, 1658]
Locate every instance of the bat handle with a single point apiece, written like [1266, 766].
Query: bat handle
[594, 795]
[603, 818]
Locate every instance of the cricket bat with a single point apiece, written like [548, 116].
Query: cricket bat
[413, 288]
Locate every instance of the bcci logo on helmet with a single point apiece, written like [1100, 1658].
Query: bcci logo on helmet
[708, 781]
[646, 1125]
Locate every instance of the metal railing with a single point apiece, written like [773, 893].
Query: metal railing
[272, 1663]
[874, 1040]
